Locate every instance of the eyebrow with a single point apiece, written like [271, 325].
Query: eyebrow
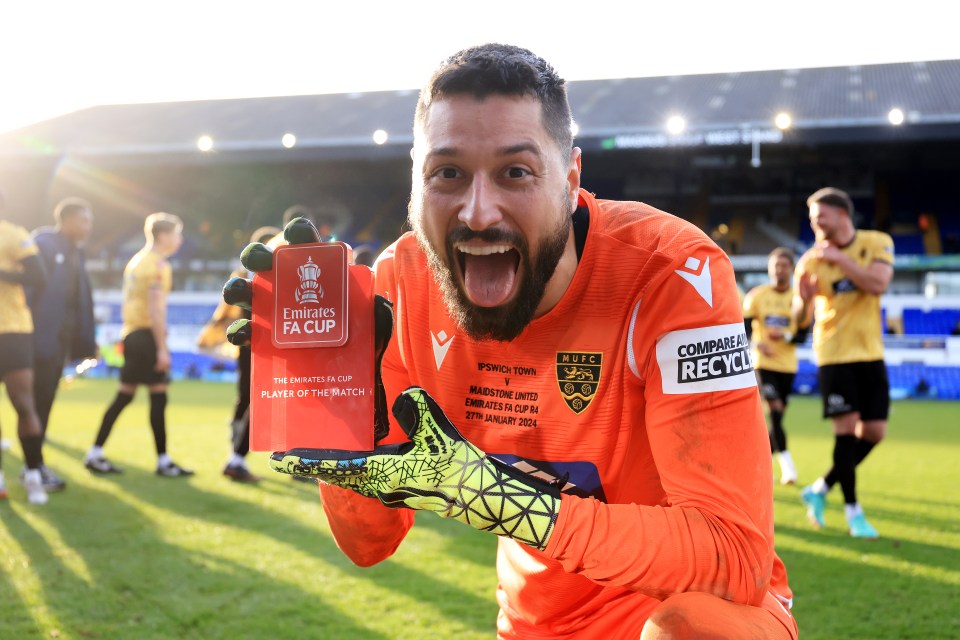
[523, 147]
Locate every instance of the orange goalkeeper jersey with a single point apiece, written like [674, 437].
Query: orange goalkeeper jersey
[636, 392]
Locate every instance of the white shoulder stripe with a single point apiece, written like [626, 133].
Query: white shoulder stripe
[631, 356]
[398, 327]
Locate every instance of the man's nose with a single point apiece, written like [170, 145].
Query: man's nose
[481, 210]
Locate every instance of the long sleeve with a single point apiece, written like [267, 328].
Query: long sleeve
[366, 531]
[713, 532]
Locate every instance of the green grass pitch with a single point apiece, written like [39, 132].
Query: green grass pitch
[138, 556]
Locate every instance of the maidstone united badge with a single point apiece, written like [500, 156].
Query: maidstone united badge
[578, 375]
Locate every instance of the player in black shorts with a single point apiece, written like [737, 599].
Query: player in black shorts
[19, 266]
[845, 273]
[146, 282]
[774, 336]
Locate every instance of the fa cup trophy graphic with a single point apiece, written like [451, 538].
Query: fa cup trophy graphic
[309, 291]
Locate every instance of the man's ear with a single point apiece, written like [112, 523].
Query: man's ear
[573, 177]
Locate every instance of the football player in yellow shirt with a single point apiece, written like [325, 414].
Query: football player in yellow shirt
[147, 280]
[839, 282]
[20, 265]
[769, 322]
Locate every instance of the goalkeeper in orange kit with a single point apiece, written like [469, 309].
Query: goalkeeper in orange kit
[570, 374]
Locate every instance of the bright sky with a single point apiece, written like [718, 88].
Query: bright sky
[57, 56]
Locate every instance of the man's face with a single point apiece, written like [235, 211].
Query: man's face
[827, 220]
[780, 268]
[491, 206]
[168, 242]
[77, 226]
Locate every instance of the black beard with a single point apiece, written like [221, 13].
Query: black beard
[507, 321]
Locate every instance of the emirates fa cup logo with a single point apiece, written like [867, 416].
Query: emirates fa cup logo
[309, 291]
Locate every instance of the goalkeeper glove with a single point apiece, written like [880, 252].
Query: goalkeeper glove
[439, 471]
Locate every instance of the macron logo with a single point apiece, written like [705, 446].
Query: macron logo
[699, 278]
[441, 344]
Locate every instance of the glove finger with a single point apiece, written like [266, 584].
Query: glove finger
[382, 323]
[300, 231]
[423, 421]
[257, 256]
[383, 329]
[319, 462]
[238, 291]
[238, 333]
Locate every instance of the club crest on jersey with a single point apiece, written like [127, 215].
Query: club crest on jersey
[578, 376]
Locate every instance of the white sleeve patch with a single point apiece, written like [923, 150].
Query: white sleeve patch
[705, 360]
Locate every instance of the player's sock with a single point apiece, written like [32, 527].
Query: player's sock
[845, 466]
[163, 460]
[788, 471]
[852, 510]
[820, 486]
[110, 417]
[158, 407]
[864, 447]
[33, 483]
[94, 453]
[236, 460]
[32, 451]
[778, 438]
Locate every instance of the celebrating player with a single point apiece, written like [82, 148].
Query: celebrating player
[838, 284]
[570, 374]
[769, 322]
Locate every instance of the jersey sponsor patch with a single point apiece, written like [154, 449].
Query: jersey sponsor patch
[845, 285]
[705, 360]
[578, 375]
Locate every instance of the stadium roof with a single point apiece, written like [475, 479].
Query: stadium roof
[835, 103]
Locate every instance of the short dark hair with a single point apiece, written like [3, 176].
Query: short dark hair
[834, 197]
[297, 211]
[161, 223]
[70, 207]
[264, 234]
[503, 70]
[783, 252]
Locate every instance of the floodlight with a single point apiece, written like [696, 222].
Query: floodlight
[380, 136]
[895, 116]
[288, 140]
[205, 143]
[676, 124]
[783, 120]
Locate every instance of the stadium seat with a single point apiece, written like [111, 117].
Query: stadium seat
[933, 322]
[909, 244]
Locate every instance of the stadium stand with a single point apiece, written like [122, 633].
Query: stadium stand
[930, 322]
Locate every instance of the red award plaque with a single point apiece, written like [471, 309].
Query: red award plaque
[312, 341]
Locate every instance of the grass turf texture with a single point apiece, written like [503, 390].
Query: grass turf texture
[138, 556]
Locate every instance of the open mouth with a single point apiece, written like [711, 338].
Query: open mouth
[488, 272]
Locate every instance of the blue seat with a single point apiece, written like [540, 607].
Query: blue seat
[909, 244]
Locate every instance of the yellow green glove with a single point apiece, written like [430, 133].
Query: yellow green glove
[439, 471]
